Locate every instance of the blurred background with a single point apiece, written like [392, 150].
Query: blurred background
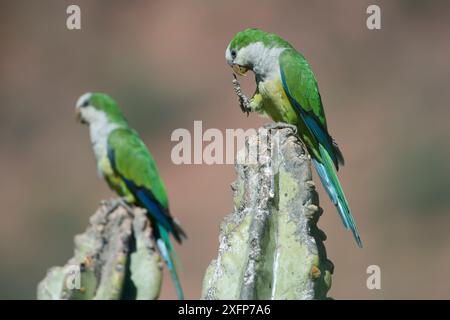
[386, 95]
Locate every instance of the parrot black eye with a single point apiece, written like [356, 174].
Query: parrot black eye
[85, 103]
[233, 53]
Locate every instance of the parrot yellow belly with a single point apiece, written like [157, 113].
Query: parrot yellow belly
[277, 106]
[275, 102]
[114, 181]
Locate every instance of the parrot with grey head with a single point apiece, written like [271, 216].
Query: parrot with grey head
[287, 91]
[129, 169]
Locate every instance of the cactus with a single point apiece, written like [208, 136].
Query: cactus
[270, 246]
[114, 259]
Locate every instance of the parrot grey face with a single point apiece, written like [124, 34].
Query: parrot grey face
[237, 60]
[262, 60]
[256, 50]
[98, 110]
[83, 104]
[87, 112]
[103, 115]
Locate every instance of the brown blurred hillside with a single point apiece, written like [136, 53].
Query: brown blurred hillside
[385, 93]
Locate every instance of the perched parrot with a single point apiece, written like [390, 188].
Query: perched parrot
[125, 163]
[287, 91]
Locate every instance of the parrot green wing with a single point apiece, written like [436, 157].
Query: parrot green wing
[133, 162]
[300, 86]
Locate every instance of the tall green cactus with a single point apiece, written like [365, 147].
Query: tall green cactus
[270, 246]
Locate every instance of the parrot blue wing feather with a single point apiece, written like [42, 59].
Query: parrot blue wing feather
[311, 122]
[163, 240]
[150, 203]
[329, 157]
[333, 187]
[329, 189]
[169, 255]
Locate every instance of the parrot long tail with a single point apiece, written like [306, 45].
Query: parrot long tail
[330, 181]
[169, 255]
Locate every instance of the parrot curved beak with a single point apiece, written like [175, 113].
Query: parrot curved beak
[79, 116]
[240, 70]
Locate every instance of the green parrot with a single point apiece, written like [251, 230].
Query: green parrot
[287, 91]
[125, 163]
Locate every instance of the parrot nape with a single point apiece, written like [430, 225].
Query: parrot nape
[125, 163]
[287, 91]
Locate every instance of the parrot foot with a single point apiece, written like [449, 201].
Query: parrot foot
[243, 100]
[113, 204]
[281, 125]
